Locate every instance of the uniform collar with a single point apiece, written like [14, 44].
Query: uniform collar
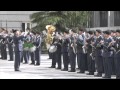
[99, 36]
[109, 37]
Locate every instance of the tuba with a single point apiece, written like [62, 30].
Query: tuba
[49, 37]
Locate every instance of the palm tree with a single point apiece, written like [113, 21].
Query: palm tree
[43, 18]
[61, 19]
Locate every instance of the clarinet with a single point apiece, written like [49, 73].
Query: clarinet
[93, 51]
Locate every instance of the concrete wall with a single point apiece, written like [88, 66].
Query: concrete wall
[14, 19]
[104, 28]
[18, 12]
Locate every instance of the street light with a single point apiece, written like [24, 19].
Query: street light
[109, 18]
[109, 13]
[1, 23]
[6, 24]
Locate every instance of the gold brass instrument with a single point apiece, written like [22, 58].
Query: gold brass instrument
[49, 37]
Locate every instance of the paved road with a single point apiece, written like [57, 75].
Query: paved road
[38, 72]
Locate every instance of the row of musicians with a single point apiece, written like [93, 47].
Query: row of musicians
[100, 52]
[15, 44]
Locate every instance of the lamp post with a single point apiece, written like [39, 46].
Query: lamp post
[6, 24]
[109, 14]
[1, 23]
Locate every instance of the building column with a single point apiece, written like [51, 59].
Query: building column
[96, 19]
[110, 18]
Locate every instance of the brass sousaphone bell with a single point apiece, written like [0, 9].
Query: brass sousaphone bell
[51, 28]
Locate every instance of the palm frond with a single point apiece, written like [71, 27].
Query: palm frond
[63, 18]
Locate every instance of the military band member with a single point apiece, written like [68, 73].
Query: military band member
[1, 39]
[113, 35]
[32, 54]
[18, 48]
[98, 53]
[87, 36]
[1, 47]
[54, 42]
[90, 53]
[38, 48]
[81, 51]
[4, 45]
[58, 52]
[107, 54]
[72, 51]
[49, 38]
[10, 46]
[26, 53]
[65, 46]
[77, 43]
[117, 54]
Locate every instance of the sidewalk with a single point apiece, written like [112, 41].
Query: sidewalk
[38, 72]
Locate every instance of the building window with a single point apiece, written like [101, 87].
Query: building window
[28, 25]
[25, 26]
[116, 18]
[103, 18]
[91, 22]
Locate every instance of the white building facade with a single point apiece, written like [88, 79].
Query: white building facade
[15, 19]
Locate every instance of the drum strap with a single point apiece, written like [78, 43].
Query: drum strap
[117, 51]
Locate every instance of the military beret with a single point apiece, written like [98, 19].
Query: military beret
[113, 31]
[108, 32]
[81, 29]
[73, 30]
[99, 31]
[91, 32]
[14, 30]
[104, 32]
[118, 30]
[66, 31]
